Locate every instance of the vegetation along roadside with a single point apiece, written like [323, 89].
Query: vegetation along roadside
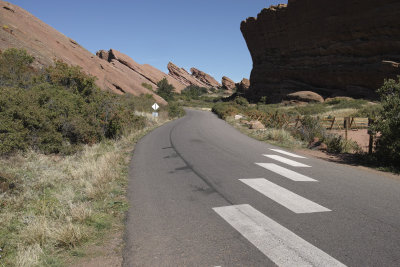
[301, 126]
[64, 151]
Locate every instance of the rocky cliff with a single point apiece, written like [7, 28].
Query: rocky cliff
[197, 78]
[341, 47]
[205, 78]
[151, 74]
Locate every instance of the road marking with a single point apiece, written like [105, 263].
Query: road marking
[284, 197]
[287, 161]
[278, 243]
[287, 153]
[286, 172]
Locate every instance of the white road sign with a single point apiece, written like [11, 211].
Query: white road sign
[155, 106]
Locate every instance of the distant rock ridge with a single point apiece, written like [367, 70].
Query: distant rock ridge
[186, 78]
[341, 47]
[151, 74]
[205, 78]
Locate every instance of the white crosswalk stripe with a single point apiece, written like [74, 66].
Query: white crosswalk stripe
[287, 153]
[278, 243]
[286, 161]
[292, 175]
[284, 197]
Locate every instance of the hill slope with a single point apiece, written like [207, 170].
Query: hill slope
[20, 29]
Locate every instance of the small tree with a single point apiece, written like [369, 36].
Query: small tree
[15, 68]
[165, 90]
[388, 122]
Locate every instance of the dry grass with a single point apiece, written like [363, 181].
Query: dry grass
[346, 112]
[279, 137]
[58, 202]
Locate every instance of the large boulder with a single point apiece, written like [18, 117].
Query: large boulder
[305, 96]
[243, 86]
[256, 125]
[338, 48]
[228, 84]
[205, 78]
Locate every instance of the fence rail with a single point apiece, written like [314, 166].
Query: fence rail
[342, 124]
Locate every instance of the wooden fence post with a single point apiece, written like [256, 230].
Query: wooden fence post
[371, 136]
[346, 126]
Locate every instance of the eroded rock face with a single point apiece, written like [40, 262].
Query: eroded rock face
[243, 86]
[46, 44]
[341, 47]
[228, 84]
[205, 78]
[183, 76]
[151, 74]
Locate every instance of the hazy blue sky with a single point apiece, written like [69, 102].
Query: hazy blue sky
[202, 34]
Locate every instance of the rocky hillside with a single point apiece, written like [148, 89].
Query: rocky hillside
[149, 73]
[196, 78]
[341, 47]
[114, 70]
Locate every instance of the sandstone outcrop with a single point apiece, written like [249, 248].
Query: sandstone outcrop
[243, 86]
[151, 74]
[184, 77]
[341, 47]
[46, 44]
[205, 78]
[228, 84]
[305, 96]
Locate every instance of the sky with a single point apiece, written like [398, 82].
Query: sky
[201, 34]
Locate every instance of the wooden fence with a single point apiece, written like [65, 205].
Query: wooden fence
[345, 124]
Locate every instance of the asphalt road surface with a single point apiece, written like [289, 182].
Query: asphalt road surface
[203, 194]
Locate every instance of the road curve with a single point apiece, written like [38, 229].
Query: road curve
[203, 194]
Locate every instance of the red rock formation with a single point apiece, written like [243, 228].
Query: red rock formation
[205, 78]
[305, 96]
[183, 76]
[243, 86]
[228, 84]
[340, 47]
[151, 74]
[46, 44]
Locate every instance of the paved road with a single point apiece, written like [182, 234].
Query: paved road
[203, 194]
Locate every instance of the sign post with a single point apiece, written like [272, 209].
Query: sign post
[155, 107]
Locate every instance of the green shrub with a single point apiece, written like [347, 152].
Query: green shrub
[60, 110]
[336, 144]
[165, 90]
[194, 92]
[388, 122]
[311, 109]
[309, 129]
[147, 86]
[15, 68]
[343, 103]
[224, 110]
[174, 110]
[241, 101]
[369, 111]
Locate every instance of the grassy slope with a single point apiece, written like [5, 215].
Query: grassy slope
[61, 203]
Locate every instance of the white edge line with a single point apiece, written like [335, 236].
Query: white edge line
[278, 243]
[286, 161]
[292, 175]
[287, 153]
[283, 196]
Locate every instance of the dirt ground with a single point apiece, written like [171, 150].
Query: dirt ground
[360, 136]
